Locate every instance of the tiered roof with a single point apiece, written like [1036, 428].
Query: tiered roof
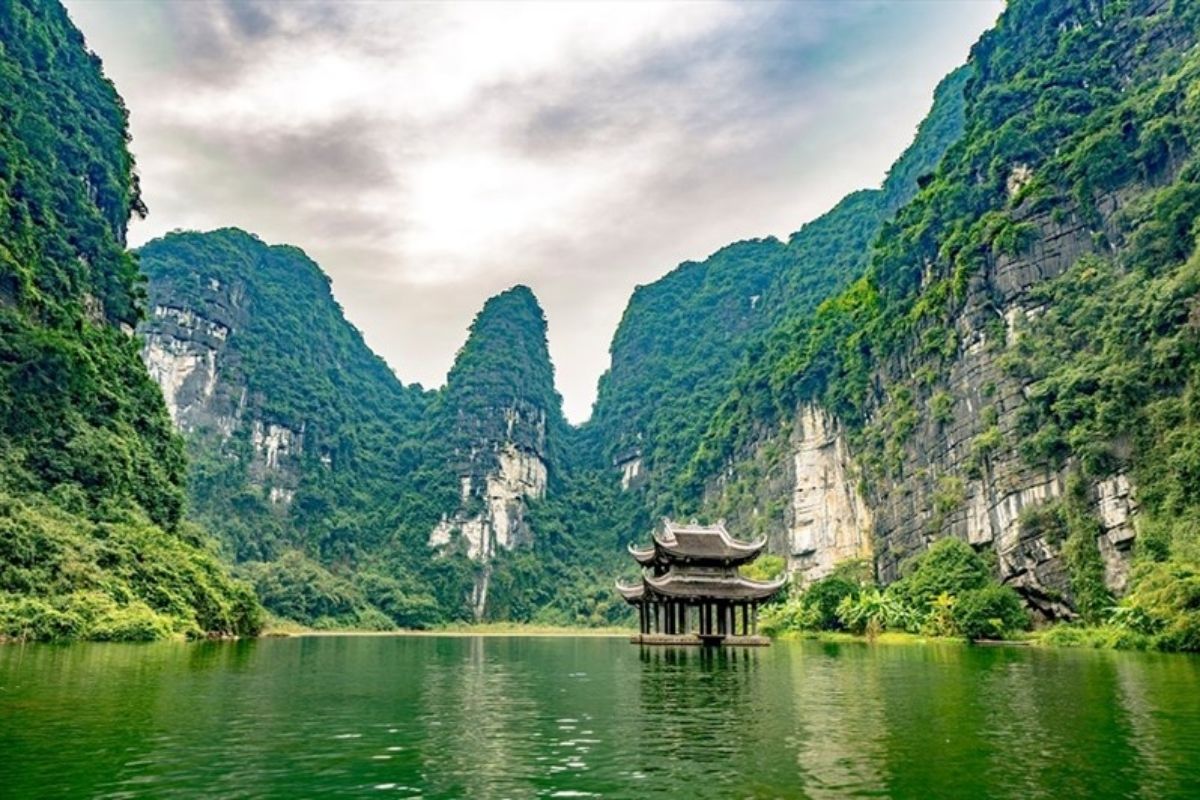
[697, 561]
[696, 544]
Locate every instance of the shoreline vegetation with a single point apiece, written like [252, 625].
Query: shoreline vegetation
[949, 593]
[1068, 636]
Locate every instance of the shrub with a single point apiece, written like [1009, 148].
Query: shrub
[1164, 602]
[873, 611]
[950, 566]
[991, 612]
[825, 596]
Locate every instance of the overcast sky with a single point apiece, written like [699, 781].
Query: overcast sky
[429, 156]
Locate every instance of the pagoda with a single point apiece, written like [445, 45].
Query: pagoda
[691, 592]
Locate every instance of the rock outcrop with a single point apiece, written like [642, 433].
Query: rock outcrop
[829, 521]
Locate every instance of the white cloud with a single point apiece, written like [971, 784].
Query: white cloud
[429, 155]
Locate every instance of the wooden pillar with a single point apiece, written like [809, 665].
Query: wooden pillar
[642, 618]
[670, 617]
[745, 619]
[754, 619]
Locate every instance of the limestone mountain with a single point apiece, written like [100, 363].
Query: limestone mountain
[1017, 366]
[500, 422]
[91, 489]
[346, 496]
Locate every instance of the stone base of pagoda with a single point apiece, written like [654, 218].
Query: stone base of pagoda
[693, 640]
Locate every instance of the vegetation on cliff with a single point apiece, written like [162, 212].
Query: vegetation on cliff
[1077, 110]
[91, 473]
[682, 338]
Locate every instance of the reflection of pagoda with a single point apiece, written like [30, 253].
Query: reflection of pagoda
[691, 592]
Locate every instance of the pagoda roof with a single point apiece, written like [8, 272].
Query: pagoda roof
[701, 584]
[687, 583]
[697, 543]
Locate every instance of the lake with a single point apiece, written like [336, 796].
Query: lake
[494, 717]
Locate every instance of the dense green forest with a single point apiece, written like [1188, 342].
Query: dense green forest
[91, 490]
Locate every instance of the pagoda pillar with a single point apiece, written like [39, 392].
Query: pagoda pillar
[745, 619]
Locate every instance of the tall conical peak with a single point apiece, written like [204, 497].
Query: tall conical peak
[506, 357]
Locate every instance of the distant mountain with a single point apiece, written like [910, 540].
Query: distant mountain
[292, 421]
[347, 497]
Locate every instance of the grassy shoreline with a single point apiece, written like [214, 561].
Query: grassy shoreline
[1056, 638]
[284, 630]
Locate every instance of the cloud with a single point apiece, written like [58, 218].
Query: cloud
[429, 155]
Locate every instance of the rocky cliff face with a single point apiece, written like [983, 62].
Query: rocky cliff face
[186, 349]
[802, 484]
[497, 477]
[962, 474]
[801, 488]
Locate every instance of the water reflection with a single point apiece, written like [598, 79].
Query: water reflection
[476, 725]
[836, 721]
[511, 717]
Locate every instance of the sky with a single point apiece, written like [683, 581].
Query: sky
[428, 156]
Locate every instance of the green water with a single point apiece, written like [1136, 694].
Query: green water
[573, 717]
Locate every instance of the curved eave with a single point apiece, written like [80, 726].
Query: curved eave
[738, 588]
[632, 594]
[643, 555]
